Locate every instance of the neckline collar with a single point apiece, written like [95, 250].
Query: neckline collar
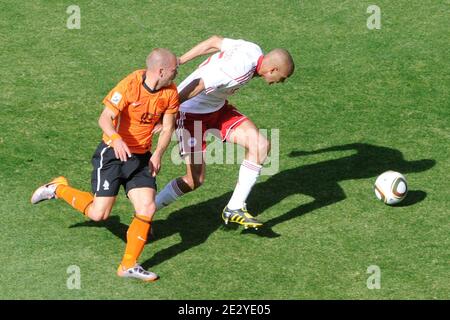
[259, 63]
[144, 76]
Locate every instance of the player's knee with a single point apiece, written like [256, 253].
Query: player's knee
[98, 214]
[147, 207]
[263, 146]
[260, 149]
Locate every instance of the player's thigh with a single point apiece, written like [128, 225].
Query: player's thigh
[141, 190]
[106, 172]
[143, 200]
[245, 135]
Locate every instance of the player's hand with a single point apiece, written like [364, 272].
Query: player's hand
[121, 150]
[154, 164]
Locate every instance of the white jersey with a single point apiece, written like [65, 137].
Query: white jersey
[223, 73]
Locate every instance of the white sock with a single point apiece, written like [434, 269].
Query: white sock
[248, 174]
[169, 194]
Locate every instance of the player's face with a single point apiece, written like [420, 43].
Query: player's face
[169, 73]
[275, 76]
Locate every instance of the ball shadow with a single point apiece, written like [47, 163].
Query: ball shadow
[413, 197]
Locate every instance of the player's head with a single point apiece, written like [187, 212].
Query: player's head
[277, 66]
[162, 64]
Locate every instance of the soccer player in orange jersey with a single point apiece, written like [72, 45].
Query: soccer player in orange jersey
[124, 158]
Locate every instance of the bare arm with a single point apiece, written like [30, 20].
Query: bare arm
[208, 46]
[168, 126]
[191, 90]
[106, 124]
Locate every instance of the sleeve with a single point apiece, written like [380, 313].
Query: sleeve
[116, 99]
[228, 44]
[174, 101]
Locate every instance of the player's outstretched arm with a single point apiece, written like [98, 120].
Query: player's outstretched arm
[168, 126]
[106, 123]
[208, 46]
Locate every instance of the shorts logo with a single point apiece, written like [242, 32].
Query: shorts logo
[106, 185]
[192, 142]
[115, 99]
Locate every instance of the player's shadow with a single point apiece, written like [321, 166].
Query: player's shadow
[113, 224]
[320, 181]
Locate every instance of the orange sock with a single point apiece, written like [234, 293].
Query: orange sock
[136, 239]
[80, 200]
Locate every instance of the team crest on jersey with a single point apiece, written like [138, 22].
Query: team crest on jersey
[115, 99]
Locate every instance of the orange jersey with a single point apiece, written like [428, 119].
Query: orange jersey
[137, 110]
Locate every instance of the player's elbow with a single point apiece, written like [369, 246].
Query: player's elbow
[104, 118]
[216, 41]
[100, 122]
[216, 37]
[167, 130]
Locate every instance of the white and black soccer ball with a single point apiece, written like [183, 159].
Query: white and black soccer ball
[391, 187]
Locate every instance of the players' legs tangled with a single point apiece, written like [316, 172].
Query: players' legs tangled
[257, 147]
[193, 179]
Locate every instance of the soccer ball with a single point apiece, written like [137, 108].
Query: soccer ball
[391, 187]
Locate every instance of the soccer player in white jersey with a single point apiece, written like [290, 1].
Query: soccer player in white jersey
[204, 106]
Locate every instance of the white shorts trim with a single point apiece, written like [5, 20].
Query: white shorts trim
[233, 125]
[100, 167]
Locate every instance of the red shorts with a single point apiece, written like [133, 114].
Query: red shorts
[192, 128]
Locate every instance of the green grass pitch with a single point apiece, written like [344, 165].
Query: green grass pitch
[360, 102]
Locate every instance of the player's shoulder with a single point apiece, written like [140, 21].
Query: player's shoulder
[132, 80]
[240, 63]
[136, 77]
[171, 89]
[240, 45]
